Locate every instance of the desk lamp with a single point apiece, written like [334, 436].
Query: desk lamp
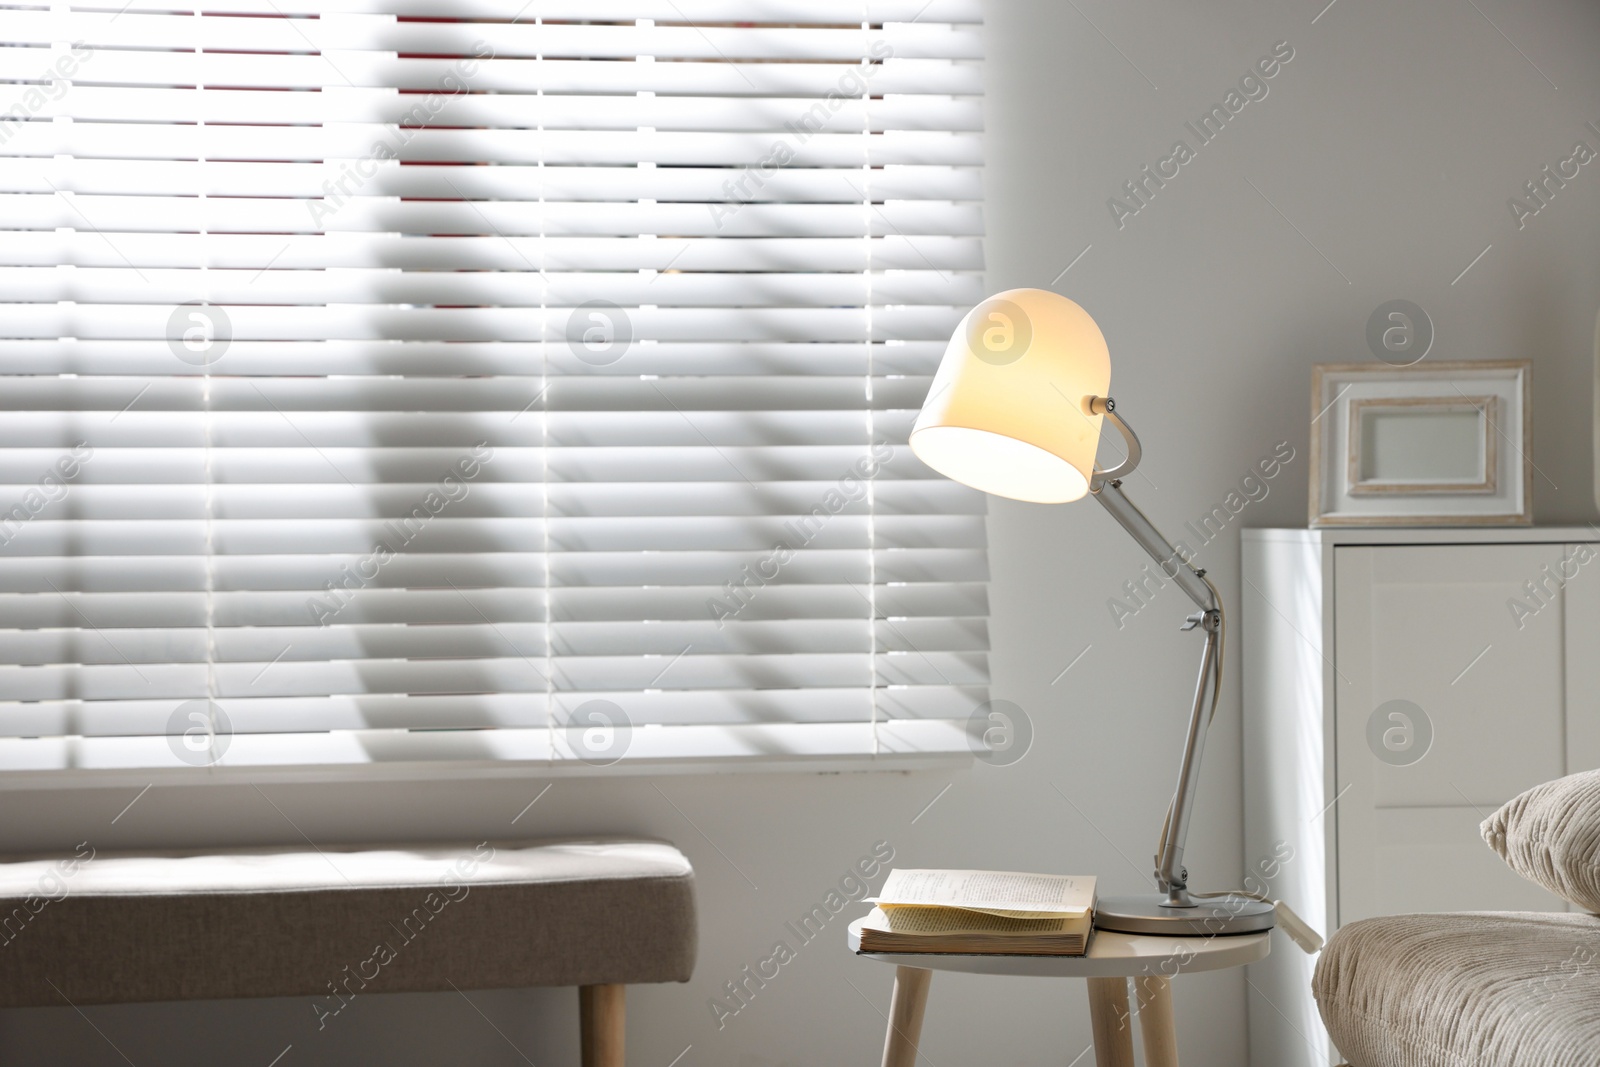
[1016, 410]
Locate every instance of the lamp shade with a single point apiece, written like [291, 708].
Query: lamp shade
[1008, 411]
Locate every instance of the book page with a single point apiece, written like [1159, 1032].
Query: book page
[1005, 893]
[914, 919]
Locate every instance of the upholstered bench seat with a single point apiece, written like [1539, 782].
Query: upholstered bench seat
[1500, 989]
[330, 924]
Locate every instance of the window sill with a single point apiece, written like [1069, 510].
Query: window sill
[430, 755]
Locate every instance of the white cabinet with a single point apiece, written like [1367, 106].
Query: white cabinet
[1399, 685]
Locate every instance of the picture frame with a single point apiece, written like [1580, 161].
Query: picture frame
[1440, 444]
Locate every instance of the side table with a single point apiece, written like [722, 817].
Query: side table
[1112, 960]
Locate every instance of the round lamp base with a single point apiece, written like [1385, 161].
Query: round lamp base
[1148, 913]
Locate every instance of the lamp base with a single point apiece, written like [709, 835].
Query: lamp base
[1149, 913]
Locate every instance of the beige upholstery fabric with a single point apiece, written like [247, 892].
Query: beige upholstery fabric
[107, 928]
[1551, 835]
[1465, 990]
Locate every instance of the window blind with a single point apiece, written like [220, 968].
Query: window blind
[393, 380]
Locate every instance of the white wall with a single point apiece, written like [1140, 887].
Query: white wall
[1392, 140]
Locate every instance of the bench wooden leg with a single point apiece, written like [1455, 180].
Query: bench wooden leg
[601, 1023]
[906, 1009]
[1111, 1022]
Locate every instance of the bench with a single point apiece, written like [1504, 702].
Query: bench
[91, 927]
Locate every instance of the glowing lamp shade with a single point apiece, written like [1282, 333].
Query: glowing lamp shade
[1008, 410]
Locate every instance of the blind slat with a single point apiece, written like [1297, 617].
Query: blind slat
[690, 11]
[146, 359]
[771, 115]
[506, 288]
[367, 69]
[381, 33]
[510, 182]
[281, 215]
[549, 254]
[556, 147]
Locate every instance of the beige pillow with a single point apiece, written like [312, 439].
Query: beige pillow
[1551, 835]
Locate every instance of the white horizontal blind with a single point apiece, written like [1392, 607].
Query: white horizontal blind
[382, 372]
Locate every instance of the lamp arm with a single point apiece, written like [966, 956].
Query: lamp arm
[1171, 877]
[1107, 488]
[1173, 566]
[1104, 405]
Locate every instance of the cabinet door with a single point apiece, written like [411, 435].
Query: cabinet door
[1581, 569]
[1449, 701]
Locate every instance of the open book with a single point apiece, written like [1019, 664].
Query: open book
[981, 912]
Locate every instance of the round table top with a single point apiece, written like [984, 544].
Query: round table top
[1111, 955]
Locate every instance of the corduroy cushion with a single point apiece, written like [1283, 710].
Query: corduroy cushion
[1502, 989]
[1551, 835]
[98, 928]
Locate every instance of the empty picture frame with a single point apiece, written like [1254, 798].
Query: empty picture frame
[1440, 444]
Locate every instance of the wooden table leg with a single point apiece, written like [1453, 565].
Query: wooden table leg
[601, 1023]
[905, 1016]
[1155, 1021]
[1112, 1025]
